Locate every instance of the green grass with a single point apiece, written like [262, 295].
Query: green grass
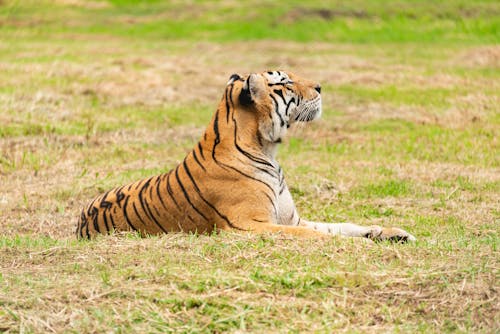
[409, 96]
[391, 188]
[401, 140]
[225, 289]
[354, 22]
[96, 94]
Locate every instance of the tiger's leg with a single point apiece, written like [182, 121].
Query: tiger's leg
[297, 231]
[373, 232]
[289, 216]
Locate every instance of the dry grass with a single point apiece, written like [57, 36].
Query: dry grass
[409, 138]
[240, 281]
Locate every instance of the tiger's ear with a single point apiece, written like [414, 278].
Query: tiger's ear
[253, 89]
[233, 78]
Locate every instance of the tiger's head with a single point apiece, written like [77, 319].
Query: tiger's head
[277, 100]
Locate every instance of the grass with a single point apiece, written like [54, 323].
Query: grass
[120, 90]
[357, 21]
[244, 282]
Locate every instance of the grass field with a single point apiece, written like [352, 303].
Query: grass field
[94, 94]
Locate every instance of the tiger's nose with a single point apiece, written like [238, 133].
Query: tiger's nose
[318, 88]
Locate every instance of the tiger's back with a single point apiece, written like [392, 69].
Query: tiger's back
[189, 197]
[231, 179]
[133, 207]
[170, 202]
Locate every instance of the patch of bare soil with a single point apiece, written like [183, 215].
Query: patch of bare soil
[83, 3]
[485, 56]
[301, 13]
[455, 117]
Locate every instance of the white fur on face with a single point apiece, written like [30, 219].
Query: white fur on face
[288, 107]
[308, 110]
[276, 77]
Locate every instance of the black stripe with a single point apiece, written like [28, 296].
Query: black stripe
[289, 104]
[186, 194]
[145, 205]
[112, 221]
[125, 214]
[83, 223]
[159, 214]
[158, 183]
[95, 213]
[138, 184]
[105, 204]
[151, 188]
[280, 94]
[138, 215]
[282, 180]
[146, 184]
[276, 84]
[201, 151]
[105, 221]
[264, 170]
[167, 211]
[87, 225]
[276, 111]
[204, 200]
[149, 212]
[217, 135]
[119, 196]
[198, 161]
[230, 88]
[231, 99]
[171, 193]
[247, 154]
[91, 206]
[87, 232]
[222, 165]
[273, 204]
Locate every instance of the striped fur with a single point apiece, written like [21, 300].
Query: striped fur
[230, 180]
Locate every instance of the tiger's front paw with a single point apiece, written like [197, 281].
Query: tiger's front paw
[393, 234]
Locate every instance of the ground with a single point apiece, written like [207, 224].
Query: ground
[94, 94]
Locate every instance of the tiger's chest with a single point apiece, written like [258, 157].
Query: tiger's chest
[282, 208]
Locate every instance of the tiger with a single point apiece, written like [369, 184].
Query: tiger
[230, 180]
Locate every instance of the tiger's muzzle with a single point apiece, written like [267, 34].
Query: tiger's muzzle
[309, 110]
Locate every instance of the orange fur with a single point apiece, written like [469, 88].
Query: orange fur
[216, 186]
[230, 180]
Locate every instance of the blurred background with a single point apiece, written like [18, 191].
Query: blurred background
[96, 94]
[406, 84]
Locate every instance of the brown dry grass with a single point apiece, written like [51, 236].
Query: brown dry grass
[123, 282]
[81, 115]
